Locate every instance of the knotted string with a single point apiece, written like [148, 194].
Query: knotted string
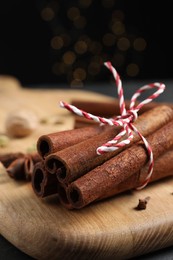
[125, 120]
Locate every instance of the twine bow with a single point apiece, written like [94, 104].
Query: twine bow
[125, 120]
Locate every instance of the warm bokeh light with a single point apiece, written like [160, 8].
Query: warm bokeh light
[132, 70]
[69, 57]
[80, 47]
[108, 3]
[85, 3]
[76, 83]
[139, 44]
[117, 15]
[118, 28]
[109, 39]
[80, 22]
[73, 13]
[82, 39]
[79, 74]
[57, 42]
[123, 44]
[47, 14]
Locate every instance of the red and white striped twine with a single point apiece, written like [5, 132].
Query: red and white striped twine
[125, 120]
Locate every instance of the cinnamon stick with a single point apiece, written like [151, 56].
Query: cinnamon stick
[62, 195]
[82, 122]
[163, 167]
[43, 183]
[75, 161]
[53, 142]
[30, 161]
[111, 108]
[98, 182]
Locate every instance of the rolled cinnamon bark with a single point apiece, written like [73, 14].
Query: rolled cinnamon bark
[53, 142]
[112, 107]
[62, 195]
[30, 161]
[28, 167]
[73, 162]
[82, 122]
[98, 182]
[163, 167]
[43, 183]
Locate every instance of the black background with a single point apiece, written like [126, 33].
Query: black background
[25, 50]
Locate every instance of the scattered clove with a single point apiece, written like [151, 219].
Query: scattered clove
[142, 203]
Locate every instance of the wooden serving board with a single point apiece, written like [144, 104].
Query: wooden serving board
[43, 229]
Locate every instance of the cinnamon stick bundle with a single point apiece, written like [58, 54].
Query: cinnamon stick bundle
[98, 182]
[53, 142]
[163, 167]
[75, 161]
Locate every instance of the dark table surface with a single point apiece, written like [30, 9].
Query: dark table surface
[9, 252]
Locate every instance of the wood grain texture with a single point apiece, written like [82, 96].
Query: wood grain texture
[109, 229]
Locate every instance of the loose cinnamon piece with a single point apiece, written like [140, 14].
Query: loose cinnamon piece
[8, 158]
[98, 182]
[50, 143]
[19, 165]
[43, 183]
[75, 161]
[110, 108]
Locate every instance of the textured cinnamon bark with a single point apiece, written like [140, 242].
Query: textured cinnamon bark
[43, 183]
[163, 167]
[110, 108]
[53, 142]
[98, 182]
[75, 161]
